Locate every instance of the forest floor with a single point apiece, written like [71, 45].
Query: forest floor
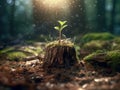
[30, 75]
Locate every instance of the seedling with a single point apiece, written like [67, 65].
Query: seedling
[62, 25]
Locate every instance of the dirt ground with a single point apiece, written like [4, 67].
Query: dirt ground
[30, 75]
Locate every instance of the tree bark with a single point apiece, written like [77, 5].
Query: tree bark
[60, 56]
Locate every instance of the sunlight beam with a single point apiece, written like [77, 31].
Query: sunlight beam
[55, 4]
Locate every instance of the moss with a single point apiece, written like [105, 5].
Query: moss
[18, 53]
[117, 40]
[6, 50]
[34, 51]
[64, 42]
[116, 44]
[77, 48]
[96, 36]
[90, 57]
[16, 56]
[113, 58]
[115, 47]
[96, 45]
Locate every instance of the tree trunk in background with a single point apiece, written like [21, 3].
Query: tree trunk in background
[12, 18]
[78, 17]
[101, 19]
[3, 12]
[38, 18]
[113, 14]
[43, 21]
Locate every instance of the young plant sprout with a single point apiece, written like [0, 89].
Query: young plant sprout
[62, 25]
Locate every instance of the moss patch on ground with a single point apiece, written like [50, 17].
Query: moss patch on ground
[6, 50]
[116, 44]
[112, 58]
[97, 45]
[96, 36]
[33, 50]
[16, 56]
[20, 52]
[90, 57]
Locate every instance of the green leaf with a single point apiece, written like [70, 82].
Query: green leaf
[63, 27]
[57, 28]
[62, 22]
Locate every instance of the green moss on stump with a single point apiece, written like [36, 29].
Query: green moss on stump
[64, 42]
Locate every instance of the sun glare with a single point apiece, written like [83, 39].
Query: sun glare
[55, 4]
[54, 8]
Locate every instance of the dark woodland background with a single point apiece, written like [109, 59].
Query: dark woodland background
[26, 19]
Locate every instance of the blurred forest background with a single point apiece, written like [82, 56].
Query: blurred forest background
[28, 19]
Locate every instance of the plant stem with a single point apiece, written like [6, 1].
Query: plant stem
[60, 36]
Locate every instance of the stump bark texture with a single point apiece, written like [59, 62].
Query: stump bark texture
[60, 56]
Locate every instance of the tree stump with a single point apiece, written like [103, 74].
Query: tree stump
[60, 56]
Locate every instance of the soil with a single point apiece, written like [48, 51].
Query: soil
[30, 75]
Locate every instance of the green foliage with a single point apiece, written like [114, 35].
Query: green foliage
[16, 56]
[96, 36]
[62, 25]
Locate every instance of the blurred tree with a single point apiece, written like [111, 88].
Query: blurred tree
[37, 16]
[78, 17]
[113, 15]
[3, 19]
[12, 18]
[91, 17]
[101, 18]
[40, 18]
